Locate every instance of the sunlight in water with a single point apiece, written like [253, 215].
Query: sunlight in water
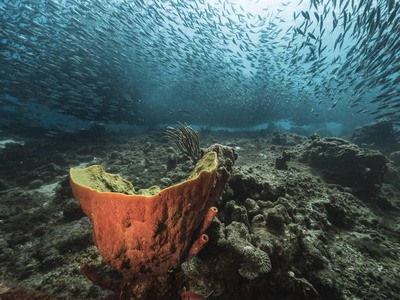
[257, 6]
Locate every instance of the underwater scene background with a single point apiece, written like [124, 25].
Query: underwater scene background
[299, 100]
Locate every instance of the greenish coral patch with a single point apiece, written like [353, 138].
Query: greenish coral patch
[95, 178]
[207, 163]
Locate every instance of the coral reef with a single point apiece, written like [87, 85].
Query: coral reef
[380, 135]
[278, 234]
[226, 155]
[285, 139]
[253, 260]
[281, 163]
[346, 164]
[395, 158]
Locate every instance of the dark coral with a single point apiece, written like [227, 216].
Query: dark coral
[380, 135]
[281, 163]
[246, 183]
[23, 294]
[346, 164]
[286, 138]
[395, 158]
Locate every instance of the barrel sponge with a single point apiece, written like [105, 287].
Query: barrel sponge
[145, 232]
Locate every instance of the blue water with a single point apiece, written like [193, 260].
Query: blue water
[69, 65]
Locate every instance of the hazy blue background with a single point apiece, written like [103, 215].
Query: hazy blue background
[70, 64]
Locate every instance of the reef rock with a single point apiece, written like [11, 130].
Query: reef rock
[226, 155]
[254, 261]
[281, 163]
[247, 183]
[346, 164]
[395, 158]
[379, 136]
[286, 138]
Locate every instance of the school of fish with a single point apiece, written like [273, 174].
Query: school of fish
[151, 61]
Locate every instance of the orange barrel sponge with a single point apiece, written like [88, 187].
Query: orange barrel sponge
[145, 232]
